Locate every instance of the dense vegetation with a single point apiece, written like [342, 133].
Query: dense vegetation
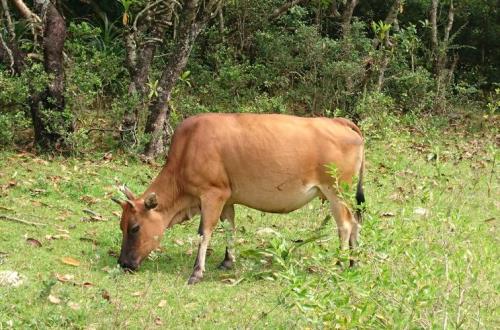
[87, 74]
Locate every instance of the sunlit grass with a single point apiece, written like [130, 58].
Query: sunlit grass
[427, 259]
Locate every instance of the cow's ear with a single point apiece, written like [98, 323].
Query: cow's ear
[150, 202]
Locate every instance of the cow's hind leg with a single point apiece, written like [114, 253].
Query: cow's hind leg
[228, 217]
[211, 209]
[347, 226]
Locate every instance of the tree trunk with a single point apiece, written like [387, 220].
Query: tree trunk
[391, 19]
[47, 108]
[140, 55]
[440, 51]
[195, 16]
[434, 29]
[381, 73]
[347, 17]
[160, 109]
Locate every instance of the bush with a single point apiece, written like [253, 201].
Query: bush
[11, 124]
[413, 90]
[375, 103]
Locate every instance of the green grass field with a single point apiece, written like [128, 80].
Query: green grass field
[428, 256]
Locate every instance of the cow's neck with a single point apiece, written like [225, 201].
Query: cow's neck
[171, 200]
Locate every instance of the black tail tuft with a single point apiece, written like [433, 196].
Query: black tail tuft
[360, 195]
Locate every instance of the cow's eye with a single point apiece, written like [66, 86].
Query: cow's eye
[134, 229]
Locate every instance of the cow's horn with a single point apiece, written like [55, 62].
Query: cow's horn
[116, 200]
[150, 201]
[124, 189]
[122, 203]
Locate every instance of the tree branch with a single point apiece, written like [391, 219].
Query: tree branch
[449, 26]
[26, 12]
[392, 15]
[13, 219]
[10, 25]
[4, 47]
[278, 12]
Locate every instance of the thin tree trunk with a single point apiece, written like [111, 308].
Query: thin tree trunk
[440, 50]
[221, 22]
[391, 18]
[139, 60]
[194, 18]
[381, 73]
[160, 109]
[47, 107]
[347, 17]
[434, 29]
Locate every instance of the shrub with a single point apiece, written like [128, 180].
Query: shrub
[413, 90]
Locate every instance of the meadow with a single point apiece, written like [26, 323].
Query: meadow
[428, 254]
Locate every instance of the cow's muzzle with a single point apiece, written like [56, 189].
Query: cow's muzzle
[128, 265]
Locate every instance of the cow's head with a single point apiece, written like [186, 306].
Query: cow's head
[142, 228]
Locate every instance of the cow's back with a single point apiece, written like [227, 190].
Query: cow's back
[269, 162]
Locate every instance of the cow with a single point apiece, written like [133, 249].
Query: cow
[269, 162]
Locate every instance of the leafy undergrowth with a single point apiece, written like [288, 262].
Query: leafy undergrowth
[428, 254]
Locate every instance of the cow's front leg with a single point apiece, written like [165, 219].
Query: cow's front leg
[228, 216]
[211, 208]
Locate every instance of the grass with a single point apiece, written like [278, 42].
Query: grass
[428, 256]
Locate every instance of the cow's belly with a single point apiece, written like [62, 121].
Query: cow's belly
[274, 199]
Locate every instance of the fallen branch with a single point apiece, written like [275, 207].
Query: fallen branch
[13, 219]
[92, 213]
[108, 130]
[94, 216]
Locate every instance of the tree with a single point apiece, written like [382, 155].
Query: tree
[193, 18]
[442, 68]
[50, 120]
[347, 16]
[142, 38]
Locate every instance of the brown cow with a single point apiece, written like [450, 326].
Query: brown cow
[272, 163]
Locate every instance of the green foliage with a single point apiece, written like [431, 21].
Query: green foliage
[414, 90]
[11, 123]
[381, 30]
[14, 90]
[374, 104]
[297, 63]
[493, 105]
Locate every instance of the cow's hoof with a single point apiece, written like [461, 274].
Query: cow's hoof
[194, 279]
[226, 265]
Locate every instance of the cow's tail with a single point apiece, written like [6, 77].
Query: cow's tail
[360, 195]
